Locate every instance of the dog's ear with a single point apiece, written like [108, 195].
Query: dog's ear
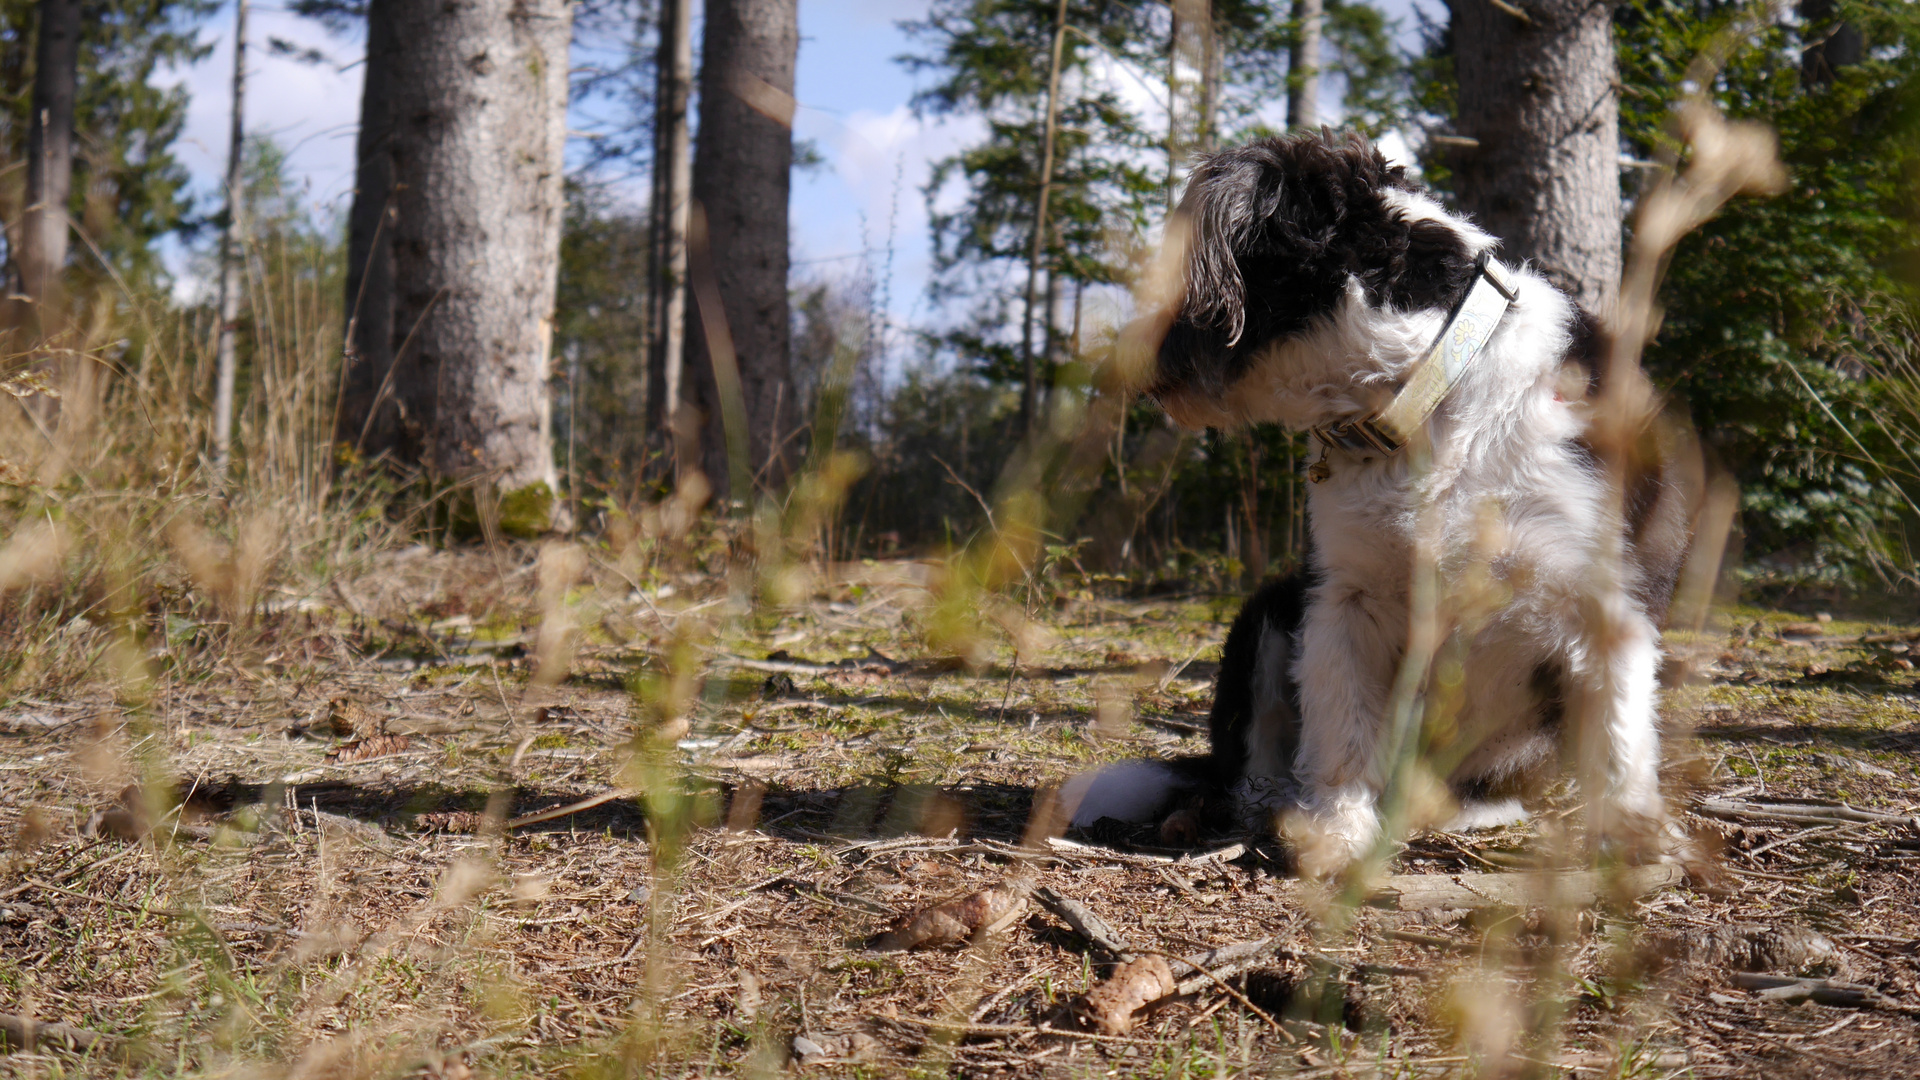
[1221, 209]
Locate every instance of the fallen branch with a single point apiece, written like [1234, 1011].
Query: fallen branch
[1090, 851]
[783, 667]
[1085, 923]
[1422, 892]
[1171, 724]
[105, 901]
[1009, 1030]
[22, 1033]
[1819, 991]
[1219, 855]
[1431, 942]
[1834, 814]
[1200, 970]
[571, 808]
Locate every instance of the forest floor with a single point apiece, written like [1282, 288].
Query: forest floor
[354, 850]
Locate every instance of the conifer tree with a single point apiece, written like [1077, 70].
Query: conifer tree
[128, 187]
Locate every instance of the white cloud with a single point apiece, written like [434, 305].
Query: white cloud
[311, 110]
[870, 196]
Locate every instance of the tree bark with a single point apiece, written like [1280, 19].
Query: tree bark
[366, 426]
[1190, 88]
[43, 233]
[232, 238]
[471, 115]
[742, 171]
[1303, 83]
[672, 180]
[1537, 96]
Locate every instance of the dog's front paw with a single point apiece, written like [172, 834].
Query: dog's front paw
[1639, 836]
[1331, 829]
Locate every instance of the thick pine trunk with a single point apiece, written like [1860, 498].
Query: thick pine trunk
[367, 426]
[1538, 98]
[474, 119]
[742, 169]
[43, 232]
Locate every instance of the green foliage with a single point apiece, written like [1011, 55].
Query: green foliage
[1255, 41]
[128, 188]
[993, 59]
[600, 336]
[1782, 328]
[1112, 172]
[935, 437]
[1786, 321]
[1163, 499]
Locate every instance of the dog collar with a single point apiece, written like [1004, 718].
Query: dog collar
[1472, 324]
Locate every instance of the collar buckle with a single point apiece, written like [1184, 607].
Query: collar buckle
[1359, 436]
[1471, 323]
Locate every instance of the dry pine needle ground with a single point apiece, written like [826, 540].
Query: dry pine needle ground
[371, 845]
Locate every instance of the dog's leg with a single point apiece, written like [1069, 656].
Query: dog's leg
[1618, 747]
[1264, 783]
[1346, 668]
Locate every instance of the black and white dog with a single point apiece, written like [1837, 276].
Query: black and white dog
[1452, 395]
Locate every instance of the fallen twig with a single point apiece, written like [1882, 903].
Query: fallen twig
[104, 901]
[1171, 724]
[1015, 1029]
[1430, 941]
[21, 1033]
[1085, 923]
[1792, 990]
[1195, 972]
[1834, 813]
[1090, 851]
[571, 808]
[1421, 892]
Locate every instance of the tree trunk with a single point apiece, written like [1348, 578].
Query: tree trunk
[43, 233]
[1029, 374]
[1830, 45]
[474, 119]
[742, 171]
[1303, 81]
[232, 238]
[672, 179]
[367, 420]
[1192, 78]
[1537, 97]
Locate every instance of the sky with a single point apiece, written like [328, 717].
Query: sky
[864, 199]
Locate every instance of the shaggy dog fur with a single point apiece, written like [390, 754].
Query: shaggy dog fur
[1317, 276]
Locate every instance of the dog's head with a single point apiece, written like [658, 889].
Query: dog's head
[1280, 234]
